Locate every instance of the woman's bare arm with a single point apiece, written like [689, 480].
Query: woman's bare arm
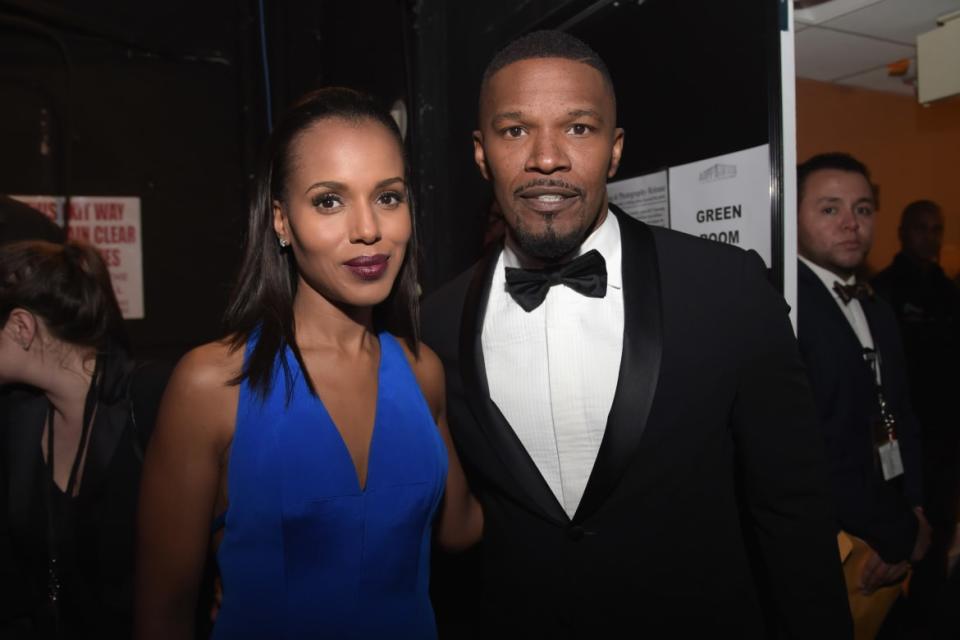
[179, 489]
[461, 519]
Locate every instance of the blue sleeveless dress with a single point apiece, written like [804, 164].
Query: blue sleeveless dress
[305, 552]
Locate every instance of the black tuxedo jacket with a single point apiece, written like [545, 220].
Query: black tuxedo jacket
[845, 390]
[707, 508]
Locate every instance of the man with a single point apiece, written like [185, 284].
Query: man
[850, 343]
[927, 305]
[641, 435]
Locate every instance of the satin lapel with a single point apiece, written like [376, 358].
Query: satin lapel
[639, 364]
[107, 431]
[503, 439]
[24, 433]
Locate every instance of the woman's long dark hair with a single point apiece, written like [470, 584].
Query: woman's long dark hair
[262, 303]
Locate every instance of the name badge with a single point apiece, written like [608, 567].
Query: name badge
[890, 460]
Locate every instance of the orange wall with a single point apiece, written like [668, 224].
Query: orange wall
[913, 153]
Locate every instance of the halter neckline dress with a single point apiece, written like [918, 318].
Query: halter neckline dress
[307, 552]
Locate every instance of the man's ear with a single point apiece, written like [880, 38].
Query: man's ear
[615, 152]
[479, 156]
[22, 327]
[280, 222]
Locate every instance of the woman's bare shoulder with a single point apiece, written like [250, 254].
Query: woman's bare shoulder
[428, 370]
[201, 397]
[210, 367]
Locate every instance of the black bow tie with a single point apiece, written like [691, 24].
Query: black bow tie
[586, 275]
[858, 290]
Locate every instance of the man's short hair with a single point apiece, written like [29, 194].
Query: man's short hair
[547, 44]
[834, 160]
[916, 209]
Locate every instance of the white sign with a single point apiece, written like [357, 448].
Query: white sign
[726, 198]
[645, 198]
[112, 225]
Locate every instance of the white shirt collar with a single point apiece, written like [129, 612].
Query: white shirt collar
[605, 239]
[826, 276]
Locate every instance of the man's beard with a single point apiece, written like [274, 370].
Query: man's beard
[547, 246]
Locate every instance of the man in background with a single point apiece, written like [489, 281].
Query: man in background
[927, 305]
[851, 345]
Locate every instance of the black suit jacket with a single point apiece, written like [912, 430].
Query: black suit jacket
[846, 396]
[98, 599]
[707, 508]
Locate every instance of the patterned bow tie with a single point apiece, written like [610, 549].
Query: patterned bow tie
[586, 275]
[858, 290]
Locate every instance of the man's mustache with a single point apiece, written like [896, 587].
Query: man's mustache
[548, 182]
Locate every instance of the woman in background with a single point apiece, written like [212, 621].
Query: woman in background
[313, 437]
[73, 427]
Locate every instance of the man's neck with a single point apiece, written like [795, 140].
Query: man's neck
[843, 275]
[526, 261]
[920, 264]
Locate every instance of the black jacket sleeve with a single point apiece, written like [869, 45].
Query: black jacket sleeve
[788, 513]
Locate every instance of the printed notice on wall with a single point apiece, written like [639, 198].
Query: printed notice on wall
[112, 225]
[644, 198]
[726, 198]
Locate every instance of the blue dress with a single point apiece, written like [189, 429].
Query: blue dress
[307, 553]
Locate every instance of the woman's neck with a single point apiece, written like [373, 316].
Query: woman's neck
[67, 382]
[318, 322]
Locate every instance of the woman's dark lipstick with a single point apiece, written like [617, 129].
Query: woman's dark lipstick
[368, 267]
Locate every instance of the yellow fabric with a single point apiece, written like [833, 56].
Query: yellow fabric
[845, 544]
[868, 611]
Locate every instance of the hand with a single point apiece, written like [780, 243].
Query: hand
[877, 573]
[922, 544]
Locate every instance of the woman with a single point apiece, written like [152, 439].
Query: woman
[71, 446]
[314, 435]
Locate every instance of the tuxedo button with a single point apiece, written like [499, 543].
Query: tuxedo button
[575, 532]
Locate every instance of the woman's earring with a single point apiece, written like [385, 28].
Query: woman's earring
[283, 243]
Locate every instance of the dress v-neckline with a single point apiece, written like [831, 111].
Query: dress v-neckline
[360, 483]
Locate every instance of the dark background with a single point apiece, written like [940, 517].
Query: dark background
[168, 101]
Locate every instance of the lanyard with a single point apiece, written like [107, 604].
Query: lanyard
[89, 409]
[872, 357]
[887, 422]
